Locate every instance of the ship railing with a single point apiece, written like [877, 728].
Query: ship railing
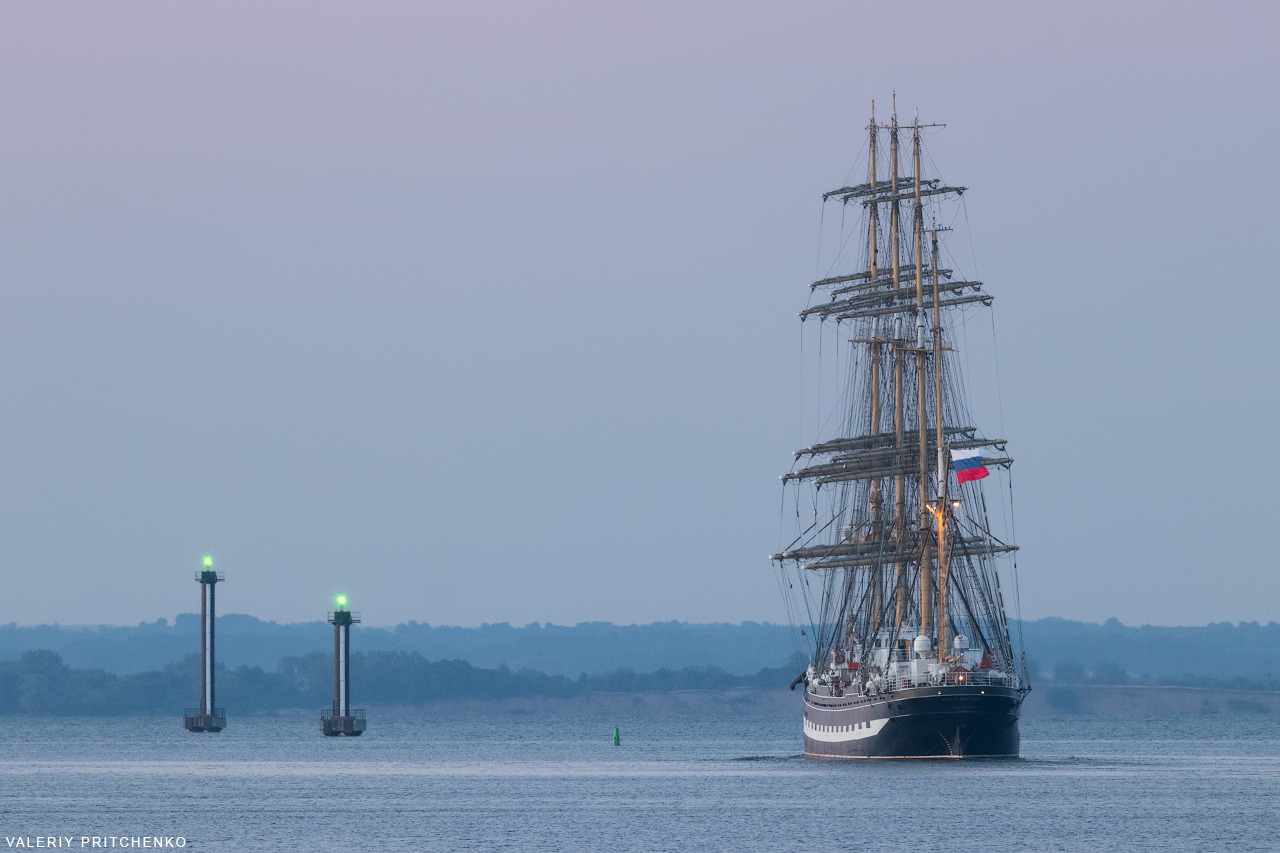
[978, 678]
[947, 679]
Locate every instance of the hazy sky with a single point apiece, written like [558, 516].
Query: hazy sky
[486, 312]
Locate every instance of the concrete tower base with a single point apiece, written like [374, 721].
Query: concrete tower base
[352, 726]
[194, 721]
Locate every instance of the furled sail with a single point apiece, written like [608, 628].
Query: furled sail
[887, 544]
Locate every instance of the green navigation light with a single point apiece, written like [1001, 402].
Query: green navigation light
[342, 601]
[208, 561]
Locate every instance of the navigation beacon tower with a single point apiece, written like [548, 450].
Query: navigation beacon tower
[341, 720]
[206, 718]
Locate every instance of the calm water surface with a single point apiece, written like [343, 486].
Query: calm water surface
[549, 782]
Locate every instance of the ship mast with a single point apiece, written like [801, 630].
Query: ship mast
[874, 346]
[922, 416]
[943, 509]
[899, 481]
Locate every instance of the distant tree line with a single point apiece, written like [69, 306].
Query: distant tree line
[599, 647]
[1206, 655]
[593, 647]
[1110, 673]
[40, 683]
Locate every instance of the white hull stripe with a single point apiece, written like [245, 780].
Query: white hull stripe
[843, 734]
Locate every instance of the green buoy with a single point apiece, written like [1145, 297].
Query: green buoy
[617, 738]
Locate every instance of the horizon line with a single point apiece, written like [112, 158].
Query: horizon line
[163, 622]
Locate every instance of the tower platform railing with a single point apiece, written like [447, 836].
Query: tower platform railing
[354, 713]
[354, 614]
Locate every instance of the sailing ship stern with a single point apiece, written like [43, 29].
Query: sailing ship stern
[923, 722]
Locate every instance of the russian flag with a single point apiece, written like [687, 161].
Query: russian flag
[968, 465]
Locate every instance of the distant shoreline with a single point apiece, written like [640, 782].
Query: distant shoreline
[1075, 652]
[1055, 701]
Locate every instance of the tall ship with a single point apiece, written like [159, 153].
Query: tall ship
[892, 571]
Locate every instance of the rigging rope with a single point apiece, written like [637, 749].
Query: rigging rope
[1013, 529]
[863, 598]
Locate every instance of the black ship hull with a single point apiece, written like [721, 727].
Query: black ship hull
[918, 722]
